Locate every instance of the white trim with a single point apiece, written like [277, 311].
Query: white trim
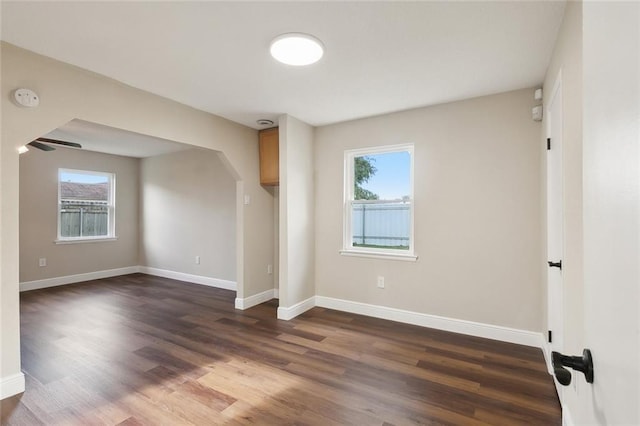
[11, 385]
[111, 204]
[85, 240]
[348, 201]
[195, 279]
[376, 255]
[179, 276]
[70, 279]
[276, 293]
[256, 299]
[488, 331]
[546, 351]
[297, 309]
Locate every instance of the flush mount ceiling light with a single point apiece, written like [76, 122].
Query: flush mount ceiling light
[297, 49]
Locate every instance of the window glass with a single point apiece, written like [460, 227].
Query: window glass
[379, 199]
[85, 204]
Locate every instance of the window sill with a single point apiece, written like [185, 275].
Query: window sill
[85, 240]
[375, 255]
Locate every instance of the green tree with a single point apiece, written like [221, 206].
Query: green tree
[363, 170]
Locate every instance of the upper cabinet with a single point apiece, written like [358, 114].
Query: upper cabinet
[269, 157]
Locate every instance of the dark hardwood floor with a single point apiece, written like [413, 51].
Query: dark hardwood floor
[138, 349]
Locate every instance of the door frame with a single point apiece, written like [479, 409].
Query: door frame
[555, 308]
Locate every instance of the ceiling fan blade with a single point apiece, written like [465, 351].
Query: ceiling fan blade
[59, 142]
[41, 146]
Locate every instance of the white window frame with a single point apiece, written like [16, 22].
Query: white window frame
[111, 210]
[348, 248]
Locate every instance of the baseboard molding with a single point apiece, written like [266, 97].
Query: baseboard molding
[297, 309]
[195, 279]
[488, 331]
[71, 279]
[11, 385]
[254, 300]
[546, 351]
[276, 293]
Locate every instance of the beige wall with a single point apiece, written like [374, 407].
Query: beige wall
[297, 223]
[68, 92]
[39, 216]
[188, 209]
[477, 204]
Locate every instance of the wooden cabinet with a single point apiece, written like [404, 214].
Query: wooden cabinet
[269, 157]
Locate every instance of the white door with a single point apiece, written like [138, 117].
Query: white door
[555, 240]
[611, 153]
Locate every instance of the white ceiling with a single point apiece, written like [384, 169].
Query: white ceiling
[99, 138]
[380, 56]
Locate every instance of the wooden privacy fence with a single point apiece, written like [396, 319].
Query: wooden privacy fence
[82, 220]
[383, 225]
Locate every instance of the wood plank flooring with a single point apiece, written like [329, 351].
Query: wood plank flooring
[143, 350]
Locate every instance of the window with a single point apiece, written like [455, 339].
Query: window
[86, 205]
[378, 207]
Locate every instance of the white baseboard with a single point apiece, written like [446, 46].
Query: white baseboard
[11, 385]
[71, 279]
[195, 279]
[297, 309]
[488, 331]
[254, 300]
[276, 293]
[546, 351]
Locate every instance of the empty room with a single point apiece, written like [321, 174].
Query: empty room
[322, 213]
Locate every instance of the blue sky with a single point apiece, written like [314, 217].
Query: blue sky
[392, 180]
[82, 178]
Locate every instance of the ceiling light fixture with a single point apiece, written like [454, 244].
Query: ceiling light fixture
[23, 149]
[297, 49]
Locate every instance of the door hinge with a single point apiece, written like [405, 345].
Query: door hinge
[548, 144]
[549, 336]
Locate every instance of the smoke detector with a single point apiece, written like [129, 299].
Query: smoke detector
[26, 98]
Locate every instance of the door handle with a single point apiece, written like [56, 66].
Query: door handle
[582, 363]
[557, 264]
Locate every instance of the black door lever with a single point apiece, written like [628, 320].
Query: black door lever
[582, 363]
[557, 264]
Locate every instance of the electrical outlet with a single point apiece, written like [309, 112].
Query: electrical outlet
[42, 261]
[197, 260]
[269, 269]
[380, 282]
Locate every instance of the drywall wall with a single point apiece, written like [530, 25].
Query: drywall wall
[297, 221]
[39, 215]
[188, 209]
[477, 204]
[67, 92]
